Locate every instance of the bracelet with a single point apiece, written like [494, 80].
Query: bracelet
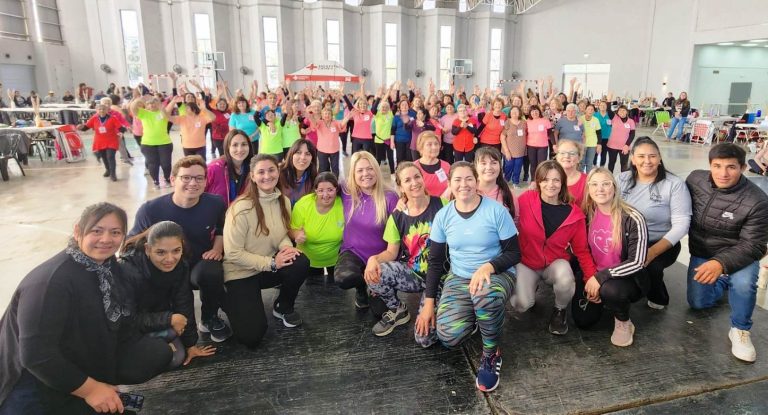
[273, 265]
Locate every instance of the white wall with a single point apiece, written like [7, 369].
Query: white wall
[733, 64]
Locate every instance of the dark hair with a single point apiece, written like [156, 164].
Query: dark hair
[247, 105]
[150, 236]
[591, 105]
[115, 99]
[228, 157]
[541, 173]
[288, 177]
[94, 213]
[537, 108]
[728, 151]
[624, 107]
[506, 192]
[662, 171]
[326, 177]
[252, 194]
[187, 162]
[459, 164]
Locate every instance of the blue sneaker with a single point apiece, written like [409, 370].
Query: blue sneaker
[488, 373]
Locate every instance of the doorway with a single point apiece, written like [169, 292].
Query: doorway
[740, 94]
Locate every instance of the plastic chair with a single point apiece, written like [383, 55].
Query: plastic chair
[10, 143]
[662, 122]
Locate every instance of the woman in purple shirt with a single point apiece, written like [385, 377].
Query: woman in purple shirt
[367, 205]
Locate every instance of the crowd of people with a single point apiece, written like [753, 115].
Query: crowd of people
[115, 307]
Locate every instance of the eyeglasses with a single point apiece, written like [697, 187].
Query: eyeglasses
[187, 179]
[601, 185]
[568, 153]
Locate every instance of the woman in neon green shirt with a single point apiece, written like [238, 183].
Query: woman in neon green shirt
[317, 225]
[271, 130]
[155, 143]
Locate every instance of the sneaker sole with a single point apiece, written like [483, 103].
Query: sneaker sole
[361, 306]
[737, 357]
[655, 306]
[557, 333]
[219, 339]
[489, 389]
[285, 323]
[202, 329]
[397, 323]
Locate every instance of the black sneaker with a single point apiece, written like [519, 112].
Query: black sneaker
[218, 329]
[558, 323]
[392, 319]
[290, 320]
[361, 299]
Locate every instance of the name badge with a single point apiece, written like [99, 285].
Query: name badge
[198, 124]
[519, 131]
[159, 117]
[333, 129]
[366, 117]
[576, 128]
[501, 123]
[609, 122]
[226, 116]
[626, 125]
[541, 128]
[102, 130]
[441, 176]
[250, 118]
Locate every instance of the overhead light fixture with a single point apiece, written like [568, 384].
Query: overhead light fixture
[725, 43]
[749, 45]
[310, 1]
[758, 41]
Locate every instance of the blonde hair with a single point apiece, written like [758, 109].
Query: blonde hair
[617, 205]
[578, 145]
[423, 137]
[378, 189]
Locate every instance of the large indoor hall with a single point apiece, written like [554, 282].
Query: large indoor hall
[383, 207]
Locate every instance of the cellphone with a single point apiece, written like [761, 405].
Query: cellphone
[132, 401]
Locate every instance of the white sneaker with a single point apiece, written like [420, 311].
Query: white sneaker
[741, 345]
[655, 306]
[623, 333]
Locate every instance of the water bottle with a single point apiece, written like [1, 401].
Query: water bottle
[759, 113]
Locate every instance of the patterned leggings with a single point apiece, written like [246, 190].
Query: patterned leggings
[398, 276]
[458, 311]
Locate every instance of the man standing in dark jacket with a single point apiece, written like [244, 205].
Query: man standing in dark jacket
[727, 239]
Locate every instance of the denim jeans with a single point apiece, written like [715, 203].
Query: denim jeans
[678, 123]
[589, 158]
[742, 292]
[512, 169]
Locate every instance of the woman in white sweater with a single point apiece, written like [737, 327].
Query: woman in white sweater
[259, 254]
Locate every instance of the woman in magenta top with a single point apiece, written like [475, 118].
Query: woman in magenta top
[433, 170]
[622, 134]
[538, 139]
[227, 176]
[416, 127]
[568, 156]
[328, 147]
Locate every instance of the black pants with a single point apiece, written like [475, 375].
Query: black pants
[348, 273]
[617, 296]
[604, 154]
[218, 147]
[208, 276]
[108, 158]
[328, 162]
[612, 155]
[657, 290]
[384, 151]
[245, 307]
[403, 151]
[536, 155]
[496, 146]
[157, 157]
[468, 156]
[526, 168]
[446, 153]
[198, 151]
[361, 144]
[319, 272]
[344, 135]
[255, 146]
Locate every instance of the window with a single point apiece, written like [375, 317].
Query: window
[271, 51]
[498, 6]
[130, 24]
[353, 2]
[390, 2]
[429, 4]
[13, 23]
[445, 56]
[203, 45]
[390, 53]
[463, 6]
[47, 21]
[495, 58]
[592, 76]
[333, 50]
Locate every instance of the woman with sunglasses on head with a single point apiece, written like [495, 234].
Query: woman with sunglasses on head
[227, 176]
[665, 202]
[618, 239]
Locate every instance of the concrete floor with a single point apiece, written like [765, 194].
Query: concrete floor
[40, 210]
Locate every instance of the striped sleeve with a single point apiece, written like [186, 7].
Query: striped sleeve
[637, 248]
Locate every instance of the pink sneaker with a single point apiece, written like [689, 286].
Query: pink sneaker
[622, 333]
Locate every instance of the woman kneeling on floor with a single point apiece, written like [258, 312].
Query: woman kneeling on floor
[66, 338]
[550, 224]
[154, 265]
[403, 265]
[258, 254]
[482, 240]
[618, 239]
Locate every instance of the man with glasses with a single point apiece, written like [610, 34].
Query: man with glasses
[727, 239]
[201, 215]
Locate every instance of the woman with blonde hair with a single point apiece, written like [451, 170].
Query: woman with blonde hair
[618, 238]
[367, 205]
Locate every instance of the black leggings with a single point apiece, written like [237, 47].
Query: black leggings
[157, 157]
[362, 144]
[468, 156]
[612, 154]
[108, 158]
[328, 162]
[218, 147]
[403, 151]
[617, 296]
[245, 307]
[208, 276]
[604, 153]
[446, 153]
[383, 151]
[657, 290]
[319, 272]
[536, 155]
[526, 167]
[348, 272]
[198, 151]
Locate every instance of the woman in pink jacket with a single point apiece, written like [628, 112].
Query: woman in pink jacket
[228, 175]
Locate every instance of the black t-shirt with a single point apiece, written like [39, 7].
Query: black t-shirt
[201, 222]
[554, 216]
[414, 235]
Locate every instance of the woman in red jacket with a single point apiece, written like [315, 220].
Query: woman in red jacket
[105, 137]
[549, 224]
[464, 140]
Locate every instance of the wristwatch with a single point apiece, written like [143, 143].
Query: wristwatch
[273, 265]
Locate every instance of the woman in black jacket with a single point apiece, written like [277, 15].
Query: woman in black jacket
[618, 239]
[159, 278]
[681, 110]
[65, 339]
